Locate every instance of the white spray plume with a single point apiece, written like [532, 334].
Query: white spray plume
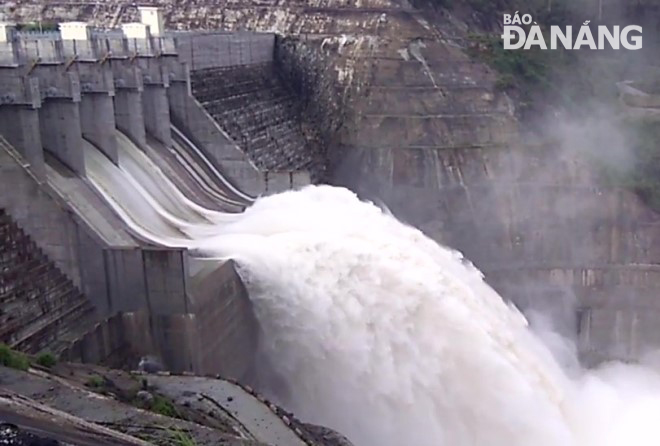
[394, 340]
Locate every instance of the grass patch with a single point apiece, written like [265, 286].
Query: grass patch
[13, 359]
[46, 360]
[95, 382]
[181, 438]
[163, 406]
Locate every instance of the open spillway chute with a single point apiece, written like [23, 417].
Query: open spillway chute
[147, 200]
[208, 176]
[130, 204]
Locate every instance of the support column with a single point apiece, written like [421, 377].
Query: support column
[97, 117]
[18, 125]
[129, 114]
[157, 113]
[59, 122]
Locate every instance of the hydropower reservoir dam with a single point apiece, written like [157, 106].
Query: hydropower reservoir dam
[354, 320]
[426, 351]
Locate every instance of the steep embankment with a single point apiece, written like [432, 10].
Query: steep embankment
[410, 118]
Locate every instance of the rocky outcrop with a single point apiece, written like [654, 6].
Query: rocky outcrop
[92, 405]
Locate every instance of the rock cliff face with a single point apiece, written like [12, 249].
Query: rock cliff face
[409, 118]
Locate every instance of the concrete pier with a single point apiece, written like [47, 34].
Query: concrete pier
[18, 124]
[61, 133]
[97, 120]
[129, 115]
[156, 111]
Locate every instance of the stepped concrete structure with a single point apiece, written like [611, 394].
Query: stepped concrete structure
[41, 306]
[68, 254]
[386, 92]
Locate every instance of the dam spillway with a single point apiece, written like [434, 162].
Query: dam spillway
[124, 167]
[359, 310]
[179, 169]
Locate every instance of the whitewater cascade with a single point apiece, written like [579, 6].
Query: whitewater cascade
[381, 333]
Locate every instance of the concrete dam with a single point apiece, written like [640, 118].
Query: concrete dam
[154, 203]
[100, 128]
[397, 112]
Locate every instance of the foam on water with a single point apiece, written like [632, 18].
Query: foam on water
[377, 331]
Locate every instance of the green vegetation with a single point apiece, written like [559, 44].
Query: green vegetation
[531, 76]
[538, 79]
[37, 26]
[95, 382]
[181, 438]
[46, 360]
[643, 176]
[163, 406]
[13, 359]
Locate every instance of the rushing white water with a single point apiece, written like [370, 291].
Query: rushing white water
[393, 340]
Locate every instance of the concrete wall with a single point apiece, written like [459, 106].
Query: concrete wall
[166, 276]
[47, 301]
[97, 121]
[199, 126]
[157, 113]
[43, 218]
[18, 124]
[225, 326]
[123, 268]
[117, 278]
[220, 49]
[312, 74]
[61, 133]
[47, 218]
[83, 237]
[117, 341]
[217, 335]
[129, 115]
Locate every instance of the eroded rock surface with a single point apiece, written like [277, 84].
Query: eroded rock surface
[92, 405]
